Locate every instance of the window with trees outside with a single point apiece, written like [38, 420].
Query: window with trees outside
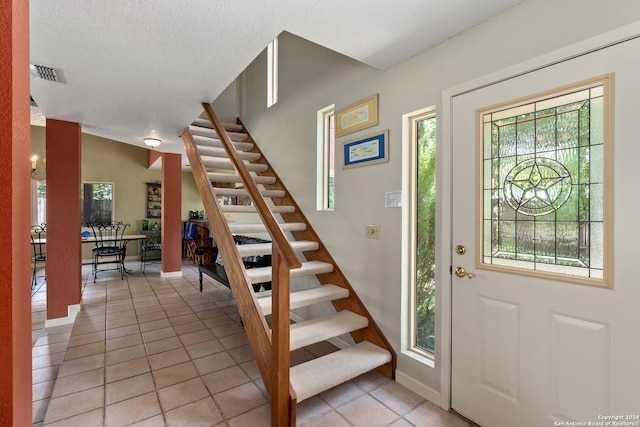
[97, 202]
[425, 233]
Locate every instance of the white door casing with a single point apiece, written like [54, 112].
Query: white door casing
[532, 351]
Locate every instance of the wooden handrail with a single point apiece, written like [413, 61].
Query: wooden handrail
[283, 397]
[255, 324]
[277, 235]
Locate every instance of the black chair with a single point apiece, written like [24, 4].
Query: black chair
[153, 242]
[38, 234]
[110, 247]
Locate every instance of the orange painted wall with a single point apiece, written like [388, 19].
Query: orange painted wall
[64, 252]
[15, 270]
[171, 212]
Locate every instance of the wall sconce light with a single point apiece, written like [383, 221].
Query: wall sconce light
[34, 164]
[152, 142]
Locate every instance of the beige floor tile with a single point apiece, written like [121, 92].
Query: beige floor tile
[225, 379]
[122, 331]
[182, 393]
[81, 339]
[161, 345]
[82, 364]
[42, 390]
[311, 408]
[366, 411]
[251, 369]
[168, 358]
[202, 413]
[132, 410]
[44, 374]
[131, 387]
[156, 421]
[155, 324]
[175, 374]
[124, 354]
[93, 418]
[186, 328]
[241, 354]
[74, 404]
[197, 337]
[331, 418]
[428, 414]
[127, 369]
[400, 399]
[151, 316]
[39, 408]
[240, 399]
[233, 341]
[370, 381]
[183, 319]
[215, 362]
[342, 394]
[203, 349]
[257, 417]
[51, 359]
[122, 342]
[226, 330]
[158, 334]
[85, 350]
[130, 319]
[78, 382]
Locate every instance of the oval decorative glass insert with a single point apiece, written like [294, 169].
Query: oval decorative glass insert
[537, 186]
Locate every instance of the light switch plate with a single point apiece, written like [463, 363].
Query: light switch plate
[372, 231]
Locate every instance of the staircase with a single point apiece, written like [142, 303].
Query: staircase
[220, 150]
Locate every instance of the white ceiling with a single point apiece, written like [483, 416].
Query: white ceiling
[137, 68]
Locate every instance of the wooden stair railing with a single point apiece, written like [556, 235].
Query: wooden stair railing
[272, 353]
[272, 348]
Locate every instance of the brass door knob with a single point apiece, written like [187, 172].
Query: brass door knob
[461, 272]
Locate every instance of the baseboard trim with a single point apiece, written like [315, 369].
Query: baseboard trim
[72, 310]
[432, 395]
[170, 274]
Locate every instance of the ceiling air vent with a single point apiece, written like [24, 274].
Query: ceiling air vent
[45, 73]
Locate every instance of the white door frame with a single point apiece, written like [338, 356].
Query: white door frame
[446, 246]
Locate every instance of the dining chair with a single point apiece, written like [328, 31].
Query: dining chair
[38, 234]
[153, 242]
[110, 248]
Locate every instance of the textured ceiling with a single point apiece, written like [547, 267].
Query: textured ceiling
[137, 68]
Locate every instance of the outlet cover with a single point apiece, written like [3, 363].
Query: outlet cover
[372, 231]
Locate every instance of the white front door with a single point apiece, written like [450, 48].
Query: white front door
[530, 348]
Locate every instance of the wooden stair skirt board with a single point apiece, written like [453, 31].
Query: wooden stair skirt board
[371, 350]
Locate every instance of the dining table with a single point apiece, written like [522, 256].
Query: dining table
[93, 239]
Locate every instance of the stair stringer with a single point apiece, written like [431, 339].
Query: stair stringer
[372, 332]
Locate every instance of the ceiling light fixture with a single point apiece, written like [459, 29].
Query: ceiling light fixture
[152, 142]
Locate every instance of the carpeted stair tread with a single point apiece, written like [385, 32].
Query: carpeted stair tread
[251, 249]
[243, 192]
[203, 141]
[226, 164]
[307, 297]
[260, 228]
[263, 274]
[318, 375]
[227, 177]
[326, 327]
[252, 209]
[219, 152]
[211, 133]
[205, 123]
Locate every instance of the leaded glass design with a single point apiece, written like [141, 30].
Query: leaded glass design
[543, 184]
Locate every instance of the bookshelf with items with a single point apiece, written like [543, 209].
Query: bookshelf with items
[154, 201]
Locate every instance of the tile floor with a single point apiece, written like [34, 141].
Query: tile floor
[152, 351]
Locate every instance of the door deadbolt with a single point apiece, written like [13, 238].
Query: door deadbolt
[461, 250]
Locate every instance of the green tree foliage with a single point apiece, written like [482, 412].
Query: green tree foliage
[426, 234]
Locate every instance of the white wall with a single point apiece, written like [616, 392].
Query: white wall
[312, 77]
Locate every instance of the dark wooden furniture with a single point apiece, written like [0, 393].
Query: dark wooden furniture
[210, 264]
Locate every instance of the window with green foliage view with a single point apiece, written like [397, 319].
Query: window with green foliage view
[425, 292]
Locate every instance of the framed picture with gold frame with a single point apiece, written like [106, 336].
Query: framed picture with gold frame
[360, 115]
